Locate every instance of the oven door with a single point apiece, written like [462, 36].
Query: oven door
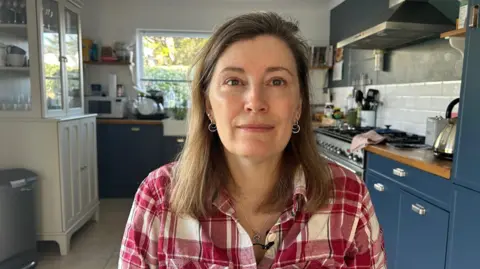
[344, 164]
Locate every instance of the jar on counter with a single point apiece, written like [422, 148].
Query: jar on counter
[329, 110]
[120, 90]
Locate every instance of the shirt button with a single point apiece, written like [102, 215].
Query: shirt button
[271, 237]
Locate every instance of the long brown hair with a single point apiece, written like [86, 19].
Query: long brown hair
[201, 170]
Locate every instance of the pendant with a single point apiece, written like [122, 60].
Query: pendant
[256, 238]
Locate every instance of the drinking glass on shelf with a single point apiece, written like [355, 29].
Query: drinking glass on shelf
[23, 11]
[8, 7]
[14, 10]
[1, 10]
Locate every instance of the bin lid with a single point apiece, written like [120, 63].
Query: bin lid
[16, 178]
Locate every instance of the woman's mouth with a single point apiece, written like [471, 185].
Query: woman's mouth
[256, 128]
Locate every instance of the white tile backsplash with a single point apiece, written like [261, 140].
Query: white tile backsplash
[407, 106]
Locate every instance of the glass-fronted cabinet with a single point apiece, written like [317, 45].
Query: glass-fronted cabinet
[73, 64]
[40, 58]
[52, 56]
[15, 79]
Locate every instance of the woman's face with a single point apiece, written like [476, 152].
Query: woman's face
[254, 97]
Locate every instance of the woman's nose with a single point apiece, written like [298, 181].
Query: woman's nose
[255, 100]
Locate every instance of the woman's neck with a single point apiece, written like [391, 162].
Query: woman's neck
[253, 180]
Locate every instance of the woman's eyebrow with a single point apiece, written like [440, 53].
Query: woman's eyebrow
[278, 68]
[268, 70]
[233, 68]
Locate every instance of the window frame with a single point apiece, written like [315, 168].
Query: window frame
[170, 33]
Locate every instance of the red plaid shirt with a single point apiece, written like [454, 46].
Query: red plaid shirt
[344, 234]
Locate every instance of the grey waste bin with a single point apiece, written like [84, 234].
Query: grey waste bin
[17, 219]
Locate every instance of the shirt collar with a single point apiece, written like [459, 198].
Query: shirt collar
[299, 198]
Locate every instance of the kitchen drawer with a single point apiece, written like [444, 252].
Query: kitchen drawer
[422, 234]
[433, 188]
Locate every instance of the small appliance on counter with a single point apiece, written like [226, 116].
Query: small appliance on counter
[150, 106]
[106, 107]
[435, 125]
[445, 143]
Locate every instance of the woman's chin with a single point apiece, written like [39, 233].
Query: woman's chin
[257, 151]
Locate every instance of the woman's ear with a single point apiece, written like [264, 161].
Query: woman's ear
[298, 111]
[208, 108]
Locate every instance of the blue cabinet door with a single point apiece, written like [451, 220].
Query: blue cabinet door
[385, 196]
[464, 231]
[116, 173]
[422, 234]
[467, 153]
[173, 147]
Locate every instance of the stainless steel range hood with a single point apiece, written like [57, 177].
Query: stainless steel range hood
[411, 21]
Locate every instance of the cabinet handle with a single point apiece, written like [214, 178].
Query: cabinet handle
[420, 210]
[135, 129]
[180, 140]
[474, 16]
[83, 167]
[399, 172]
[26, 189]
[379, 187]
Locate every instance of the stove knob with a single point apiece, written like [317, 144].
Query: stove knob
[359, 159]
[339, 151]
[355, 158]
[350, 156]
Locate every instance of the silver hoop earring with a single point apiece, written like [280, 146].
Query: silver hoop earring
[212, 127]
[296, 128]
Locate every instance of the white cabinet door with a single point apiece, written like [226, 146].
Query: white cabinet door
[70, 172]
[92, 161]
[84, 175]
[89, 188]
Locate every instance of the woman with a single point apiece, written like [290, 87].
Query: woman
[249, 189]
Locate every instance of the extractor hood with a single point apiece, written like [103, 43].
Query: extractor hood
[411, 21]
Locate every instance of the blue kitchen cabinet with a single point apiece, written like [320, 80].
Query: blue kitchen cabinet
[465, 233]
[422, 234]
[467, 153]
[385, 196]
[127, 153]
[413, 210]
[115, 174]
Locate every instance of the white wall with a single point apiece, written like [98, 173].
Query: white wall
[117, 20]
[334, 3]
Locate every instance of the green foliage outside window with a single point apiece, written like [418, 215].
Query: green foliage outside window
[166, 65]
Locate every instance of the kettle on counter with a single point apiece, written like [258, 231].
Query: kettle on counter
[444, 145]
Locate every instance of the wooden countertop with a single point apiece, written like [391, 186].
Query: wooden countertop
[318, 124]
[422, 159]
[129, 121]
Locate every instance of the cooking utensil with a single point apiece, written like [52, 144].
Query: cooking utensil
[445, 143]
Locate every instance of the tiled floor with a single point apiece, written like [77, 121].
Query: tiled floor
[96, 245]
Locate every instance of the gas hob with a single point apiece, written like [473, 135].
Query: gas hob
[334, 143]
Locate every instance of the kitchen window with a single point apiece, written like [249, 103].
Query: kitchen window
[163, 62]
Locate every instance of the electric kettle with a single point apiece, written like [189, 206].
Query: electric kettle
[444, 145]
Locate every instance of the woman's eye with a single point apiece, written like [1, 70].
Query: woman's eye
[233, 82]
[278, 82]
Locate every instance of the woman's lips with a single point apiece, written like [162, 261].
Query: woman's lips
[257, 128]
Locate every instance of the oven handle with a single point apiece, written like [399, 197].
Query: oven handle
[342, 165]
